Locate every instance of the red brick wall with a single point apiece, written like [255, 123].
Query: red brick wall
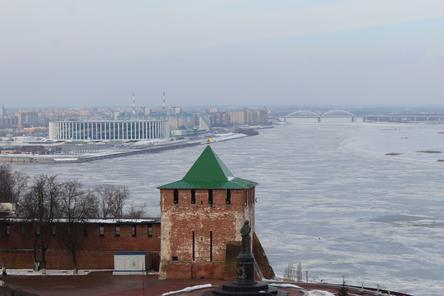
[17, 250]
[178, 221]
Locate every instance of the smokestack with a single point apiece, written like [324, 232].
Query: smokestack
[163, 102]
[134, 104]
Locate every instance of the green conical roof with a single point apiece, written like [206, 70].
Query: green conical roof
[209, 172]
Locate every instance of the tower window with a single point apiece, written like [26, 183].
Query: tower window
[37, 230]
[117, 230]
[102, 230]
[211, 246]
[174, 258]
[85, 231]
[228, 197]
[8, 230]
[133, 230]
[193, 196]
[194, 246]
[210, 197]
[176, 196]
[53, 230]
[22, 229]
[150, 230]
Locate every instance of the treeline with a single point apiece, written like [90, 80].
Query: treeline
[47, 202]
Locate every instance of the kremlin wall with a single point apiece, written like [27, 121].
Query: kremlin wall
[196, 237]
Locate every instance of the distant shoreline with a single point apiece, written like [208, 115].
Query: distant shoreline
[63, 159]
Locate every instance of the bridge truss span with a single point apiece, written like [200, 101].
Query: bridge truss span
[334, 113]
[337, 113]
[303, 114]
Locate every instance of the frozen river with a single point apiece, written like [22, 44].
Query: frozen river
[328, 197]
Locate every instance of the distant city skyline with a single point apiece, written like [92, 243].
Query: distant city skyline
[262, 53]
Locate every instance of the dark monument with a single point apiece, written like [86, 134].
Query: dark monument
[245, 285]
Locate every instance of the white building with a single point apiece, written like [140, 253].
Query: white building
[108, 130]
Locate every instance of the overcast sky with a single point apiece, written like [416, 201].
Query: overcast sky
[85, 53]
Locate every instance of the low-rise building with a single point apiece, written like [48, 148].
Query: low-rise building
[109, 130]
[239, 117]
[8, 121]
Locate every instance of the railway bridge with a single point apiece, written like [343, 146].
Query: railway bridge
[334, 113]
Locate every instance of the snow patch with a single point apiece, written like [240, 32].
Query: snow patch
[285, 285]
[48, 272]
[188, 289]
[97, 221]
[318, 293]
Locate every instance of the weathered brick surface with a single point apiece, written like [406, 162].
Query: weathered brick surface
[213, 270]
[213, 226]
[96, 252]
[261, 258]
[178, 270]
[232, 251]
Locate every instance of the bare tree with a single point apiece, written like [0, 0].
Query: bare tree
[76, 206]
[299, 273]
[6, 184]
[12, 184]
[112, 200]
[40, 205]
[20, 185]
[135, 211]
[290, 273]
[343, 291]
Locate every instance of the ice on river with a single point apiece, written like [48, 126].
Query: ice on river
[328, 197]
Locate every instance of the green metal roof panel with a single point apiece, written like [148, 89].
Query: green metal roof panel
[209, 172]
[208, 168]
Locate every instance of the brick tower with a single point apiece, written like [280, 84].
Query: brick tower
[200, 214]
